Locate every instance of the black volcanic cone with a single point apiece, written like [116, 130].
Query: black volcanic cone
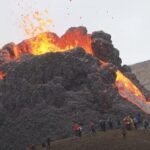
[42, 96]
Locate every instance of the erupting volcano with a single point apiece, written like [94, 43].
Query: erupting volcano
[48, 81]
[49, 42]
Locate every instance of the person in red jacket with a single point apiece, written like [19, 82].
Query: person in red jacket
[77, 129]
[92, 127]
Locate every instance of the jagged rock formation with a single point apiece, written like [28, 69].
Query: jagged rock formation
[103, 48]
[42, 95]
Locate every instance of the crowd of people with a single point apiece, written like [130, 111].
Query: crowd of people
[130, 122]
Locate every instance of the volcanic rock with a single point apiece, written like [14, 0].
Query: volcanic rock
[103, 48]
[41, 97]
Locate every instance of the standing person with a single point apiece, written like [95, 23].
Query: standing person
[145, 124]
[124, 132]
[92, 127]
[127, 123]
[131, 123]
[110, 123]
[48, 143]
[75, 128]
[32, 147]
[135, 120]
[79, 131]
[43, 146]
[138, 116]
[102, 125]
[118, 123]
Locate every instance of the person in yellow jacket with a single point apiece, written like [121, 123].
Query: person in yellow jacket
[131, 123]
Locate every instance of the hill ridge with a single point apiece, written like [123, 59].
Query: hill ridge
[142, 72]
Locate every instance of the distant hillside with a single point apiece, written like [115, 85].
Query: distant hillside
[142, 71]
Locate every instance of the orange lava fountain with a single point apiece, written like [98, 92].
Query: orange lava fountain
[38, 23]
[46, 42]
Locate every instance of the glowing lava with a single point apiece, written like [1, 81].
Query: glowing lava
[131, 93]
[123, 82]
[37, 25]
[50, 42]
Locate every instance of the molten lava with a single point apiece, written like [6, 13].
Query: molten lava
[37, 23]
[49, 42]
[123, 82]
[131, 93]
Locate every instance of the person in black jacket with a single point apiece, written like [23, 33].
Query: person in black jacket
[48, 143]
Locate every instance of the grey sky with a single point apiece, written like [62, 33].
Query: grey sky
[128, 21]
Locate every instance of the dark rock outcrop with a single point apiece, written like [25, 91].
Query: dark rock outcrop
[103, 48]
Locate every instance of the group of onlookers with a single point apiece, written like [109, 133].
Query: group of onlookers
[129, 122]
